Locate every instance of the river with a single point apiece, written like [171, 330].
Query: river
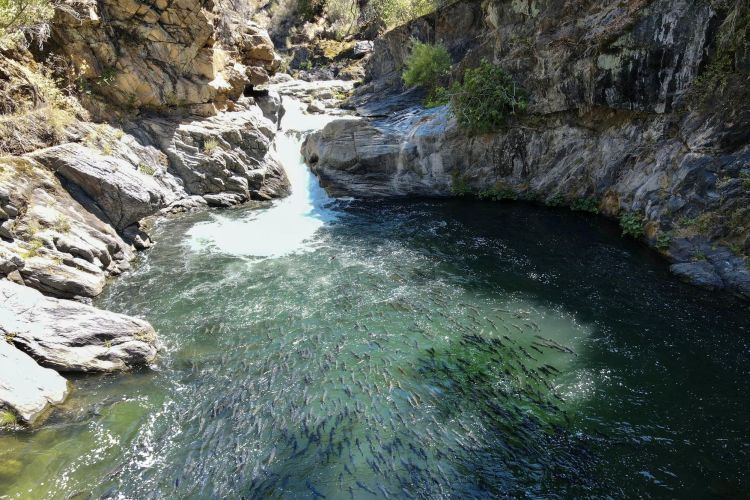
[409, 349]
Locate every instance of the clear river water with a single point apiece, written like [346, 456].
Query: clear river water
[406, 349]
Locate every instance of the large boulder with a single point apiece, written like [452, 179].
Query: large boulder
[26, 389]
[227, 153]
[124, 194]
[70, 336]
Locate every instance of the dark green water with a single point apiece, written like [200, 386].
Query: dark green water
[433, 349]
[426, 349]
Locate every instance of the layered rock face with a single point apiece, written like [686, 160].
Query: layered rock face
[72, 337]
[163, 53]
[172, 78]
[623, 114]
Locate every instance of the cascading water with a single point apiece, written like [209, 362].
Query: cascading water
[289, 223]
[426, 349]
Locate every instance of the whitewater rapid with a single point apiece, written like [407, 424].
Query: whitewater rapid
[290, 224]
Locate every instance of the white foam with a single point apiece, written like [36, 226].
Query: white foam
[289, 225]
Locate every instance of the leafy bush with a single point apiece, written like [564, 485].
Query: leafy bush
[7, 419]
[485, 99]
[210, 145]
[62, 224]
[664, 241]
[426, 65]
[632, 225]
[745, 180]
[459, 184]
[585, 205]
[146, 169]
[342, 16]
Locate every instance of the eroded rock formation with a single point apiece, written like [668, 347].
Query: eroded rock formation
[622, 112]
[163, 53]
[183, 124]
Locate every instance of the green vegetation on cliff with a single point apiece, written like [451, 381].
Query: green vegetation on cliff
[426, 65]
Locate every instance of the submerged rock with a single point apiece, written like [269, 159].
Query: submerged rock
[73, 337]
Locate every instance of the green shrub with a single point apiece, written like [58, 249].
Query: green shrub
[426, 65]
[342, 16]
[745, 179]
[210, 145]
[62, 224]
[391, 13]
[7, 419]
[146, 169]
[34, 246]
[459, 186]
[485, 99]
[585, 205]
[664, 241]
[632, 225]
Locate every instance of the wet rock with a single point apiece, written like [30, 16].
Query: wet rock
[26, 389]
[316, 107]
[73, 337]
[223, 200]
[270, 103]
[136, 237]
[699, 273]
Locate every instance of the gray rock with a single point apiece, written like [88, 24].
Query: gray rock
[227, 153]
[316, 107]
[699, 273]
[68, 278]
[73, 337]
[271, 104]
[27, 389]
[11, 211]
[223, 200]
[9, 261]
[6, 230]
[362, 48]
[124, 194]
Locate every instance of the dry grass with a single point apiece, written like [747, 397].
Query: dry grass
[34, 111]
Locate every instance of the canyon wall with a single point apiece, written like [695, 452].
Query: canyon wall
[163, 112]
[639, 110]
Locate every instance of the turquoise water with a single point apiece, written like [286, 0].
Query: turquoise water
[426, 349]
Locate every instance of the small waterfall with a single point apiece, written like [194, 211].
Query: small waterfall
[289, 225]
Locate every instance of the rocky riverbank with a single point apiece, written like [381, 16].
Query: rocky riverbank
[632, 115]
[178, 118]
